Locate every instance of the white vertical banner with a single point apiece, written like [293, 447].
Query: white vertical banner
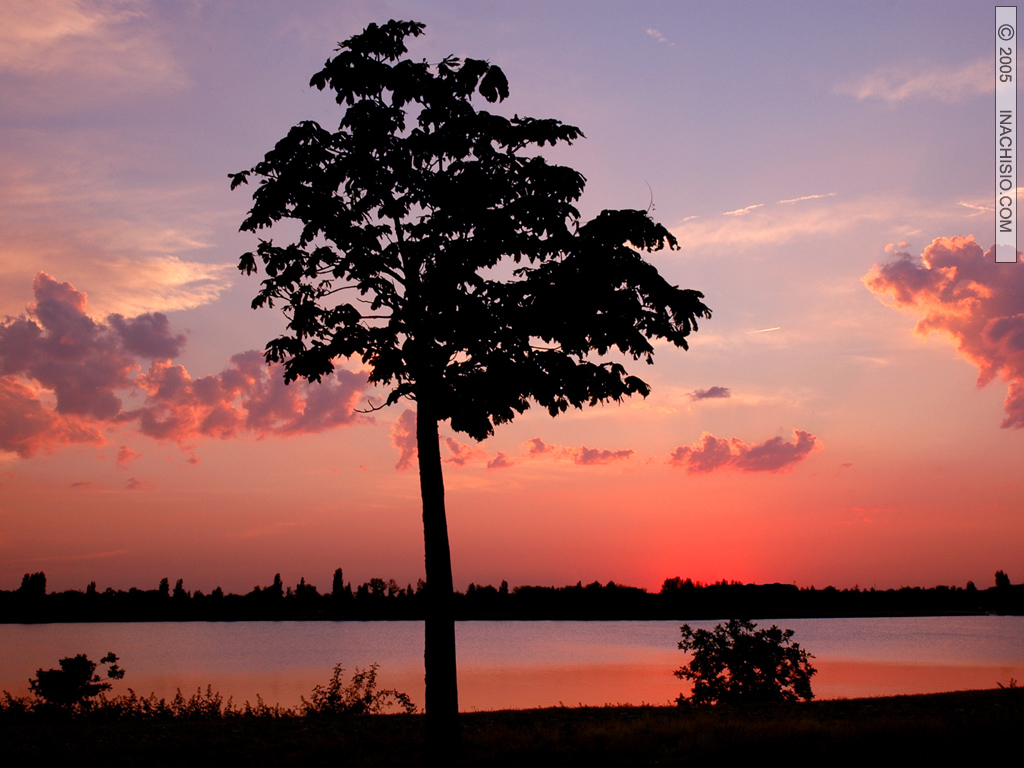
[1006, 133]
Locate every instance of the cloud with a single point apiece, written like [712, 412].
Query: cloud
[26, 426]
[926, 81]
[710, 393]
[501, 461]
[774, 455]
[806, 197]
[589, 456]
[126, 456]
[68, 211]
[460, 453]
[247, 397]
[890, 247]
[132, 285]
[958, 291]
[158, 283]
[57, 352]
[83, 362]
[536, 447]
[708, 454]
[979, 210]
[743, 211]
[147, 335]
[403, 437]
[779, 223]
[658, 36]
[134, 484]
[82, 51]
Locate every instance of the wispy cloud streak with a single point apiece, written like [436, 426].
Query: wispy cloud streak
[744, 211]
[946, 84]
[806, 197]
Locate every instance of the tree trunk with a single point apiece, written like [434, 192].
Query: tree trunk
[442, 695]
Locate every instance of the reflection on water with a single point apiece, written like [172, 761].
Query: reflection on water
[516, 663]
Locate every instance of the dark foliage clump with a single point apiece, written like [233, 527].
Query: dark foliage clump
[734, 663]
[359, 697]
[75, 685]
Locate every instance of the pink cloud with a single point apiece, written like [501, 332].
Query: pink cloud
[501, 461]
[27, 426]
[959, 291]
[707, 455]
[536, 447]
[403, 437]
[148, 335]
[250, 396]
[126, 456]
[62, 348]
[460, 453]
[134, 484]
[600, 456]
[710, 393]
[773, 455]
[56, 347]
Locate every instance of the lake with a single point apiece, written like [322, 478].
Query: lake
[515, 664]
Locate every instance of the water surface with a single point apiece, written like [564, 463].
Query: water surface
[506, 664]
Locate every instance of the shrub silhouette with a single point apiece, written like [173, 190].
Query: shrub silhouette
[76, 683]
[75, 689]
[734, 663]
[359, 697]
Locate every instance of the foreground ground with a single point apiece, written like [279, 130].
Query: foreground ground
[975, 727]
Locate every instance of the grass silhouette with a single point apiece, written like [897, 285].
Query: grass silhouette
[973, 726]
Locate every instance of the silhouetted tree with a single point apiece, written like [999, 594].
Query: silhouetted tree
[276, 590]
[305, 592]
[1002, 580]
[165, 587]
[733, 663]
[76, 683]
[33, 586]
[416, 203]
[179, 592]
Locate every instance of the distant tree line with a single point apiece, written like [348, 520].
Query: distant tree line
[678, 599]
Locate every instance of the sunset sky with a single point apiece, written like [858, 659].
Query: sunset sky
[852, 414]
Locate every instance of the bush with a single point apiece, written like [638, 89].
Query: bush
[359, 697]
[75, 684]
[734, 663]
[75, 689]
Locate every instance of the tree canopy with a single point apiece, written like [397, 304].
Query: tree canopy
[413, 204]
